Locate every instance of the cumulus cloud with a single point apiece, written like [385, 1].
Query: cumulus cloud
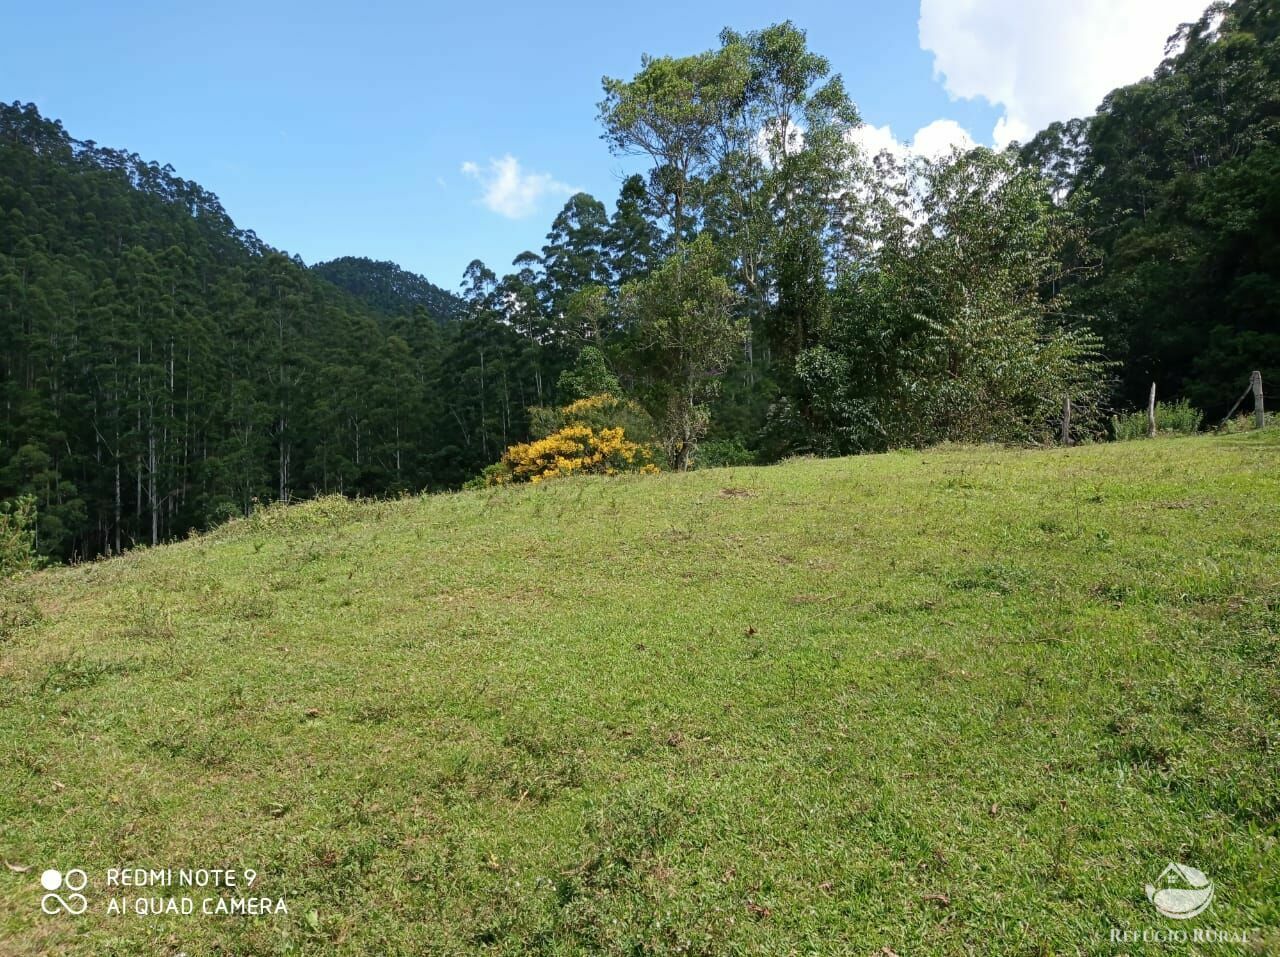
[1044, 60]
[933, 141]
[940, 137]
[874, 140]
[511, 191]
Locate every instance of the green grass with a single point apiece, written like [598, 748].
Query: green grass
[966, 701]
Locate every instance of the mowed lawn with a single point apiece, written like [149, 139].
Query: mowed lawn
[963, 701]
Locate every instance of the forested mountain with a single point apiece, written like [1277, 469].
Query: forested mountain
[163, 369]
[761, 289]
[389, 289]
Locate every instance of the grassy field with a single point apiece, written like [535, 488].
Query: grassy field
[966, 701]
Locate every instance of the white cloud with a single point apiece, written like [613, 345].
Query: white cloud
[1044, 60]
[932, 141]
[511, 191]
[874, 140]
[940, 137]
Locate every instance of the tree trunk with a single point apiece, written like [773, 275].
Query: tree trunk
[151, 483]
[119, 510]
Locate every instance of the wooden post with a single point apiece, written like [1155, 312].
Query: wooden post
[1259, 410]
[1066, 421]
[1151, 413]
[1247, 390]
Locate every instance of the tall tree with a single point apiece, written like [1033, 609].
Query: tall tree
[685, 323]
[672, 112]
[633, 241]
[574, 256]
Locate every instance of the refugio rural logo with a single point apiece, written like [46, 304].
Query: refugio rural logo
[1181, 892]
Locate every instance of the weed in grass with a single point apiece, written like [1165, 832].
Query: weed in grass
[76, 672]
[17, 612]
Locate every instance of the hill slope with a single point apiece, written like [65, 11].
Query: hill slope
[964, 701]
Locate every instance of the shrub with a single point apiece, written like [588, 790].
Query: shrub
[1244, 422]
[573, 450]
[600, 435]
[721, 453]
[1176, 418]
[601, 411]
[18, 537]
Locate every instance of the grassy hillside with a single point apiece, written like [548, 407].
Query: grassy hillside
[962, 701]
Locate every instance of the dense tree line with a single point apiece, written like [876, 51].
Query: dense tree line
[163, 370]
[762, 288]
[1177, 179]
[880, 301]
[794, 295]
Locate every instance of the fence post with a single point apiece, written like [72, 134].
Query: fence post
[1066, 421]
[1151, 413]
[1259, 410]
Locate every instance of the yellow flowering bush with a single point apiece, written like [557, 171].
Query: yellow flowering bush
[591, 405]
[599, 435]
[572, 450]
[602, 411]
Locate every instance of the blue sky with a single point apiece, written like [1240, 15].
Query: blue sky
[343, 129]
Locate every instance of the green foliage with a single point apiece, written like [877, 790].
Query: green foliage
[723, 453]
[574, 261]
[590, 375]
[750, 143]
[165, 368]
[948, 334]
[391, 290]
[1244, 422]
[1175, 418]
[18, 551]
[1178, 177]
[634, 241]
[671, 112]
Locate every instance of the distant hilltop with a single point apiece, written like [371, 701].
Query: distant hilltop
[390, 289]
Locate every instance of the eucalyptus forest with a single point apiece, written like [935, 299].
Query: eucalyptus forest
[760, 289]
